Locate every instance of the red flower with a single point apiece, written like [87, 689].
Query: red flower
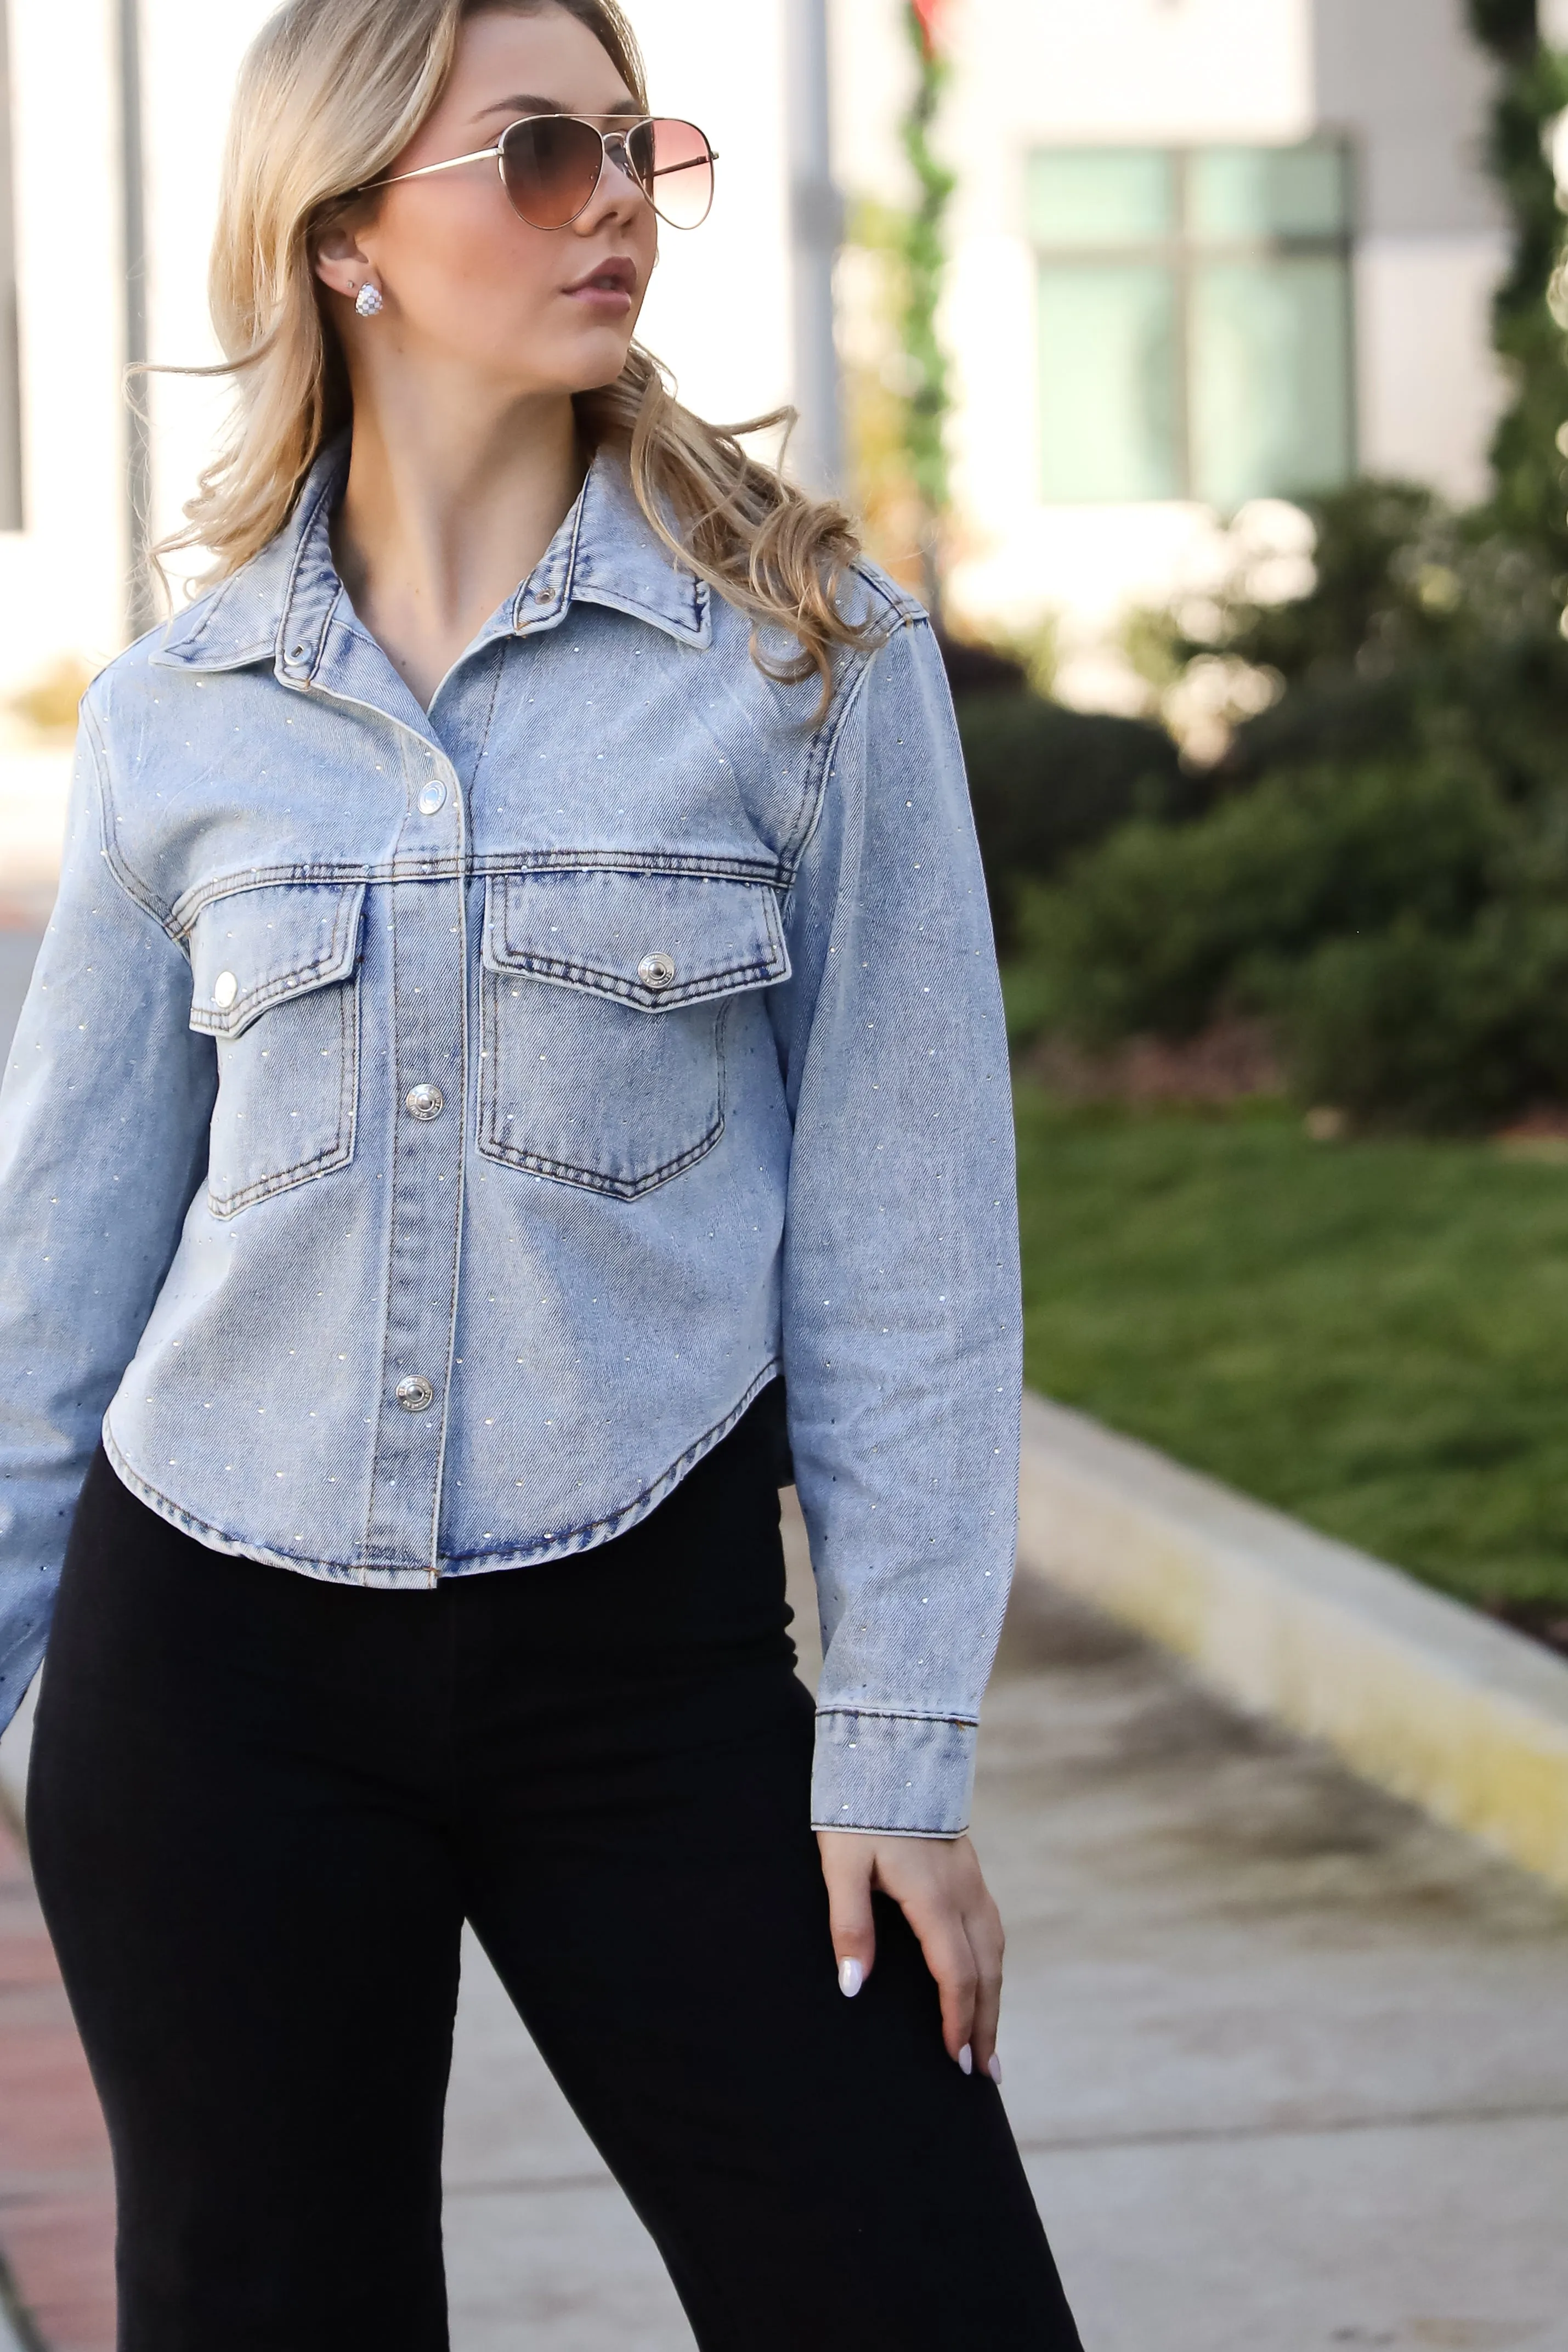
[928, 15]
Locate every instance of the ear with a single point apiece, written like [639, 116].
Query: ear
[340, 260]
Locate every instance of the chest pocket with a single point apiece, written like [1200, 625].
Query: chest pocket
[605, 1000]
[276, 982]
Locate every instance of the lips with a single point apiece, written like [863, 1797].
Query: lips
[616, 275]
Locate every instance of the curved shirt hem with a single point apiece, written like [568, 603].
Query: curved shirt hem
[389, 1578]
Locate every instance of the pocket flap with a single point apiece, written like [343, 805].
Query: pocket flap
[252, 950]
[653, 940]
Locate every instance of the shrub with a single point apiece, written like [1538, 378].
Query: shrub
[1160, 929]
[1045, 781]
[1416, 1027]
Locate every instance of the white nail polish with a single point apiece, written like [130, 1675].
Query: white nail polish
[852, 1976]
[994, 2067]
[965, 2064]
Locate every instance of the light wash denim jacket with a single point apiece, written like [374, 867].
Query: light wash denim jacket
[427, 1133]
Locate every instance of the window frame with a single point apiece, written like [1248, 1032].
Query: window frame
[1186, 250]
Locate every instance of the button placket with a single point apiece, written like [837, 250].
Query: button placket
[427, 928]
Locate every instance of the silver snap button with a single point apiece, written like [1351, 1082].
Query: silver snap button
[656, 971]
[415, 1395]
[225, 988]
[425, 1102]
[433, 799]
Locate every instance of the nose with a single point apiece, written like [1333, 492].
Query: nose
[616, 152]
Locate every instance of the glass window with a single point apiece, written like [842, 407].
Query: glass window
[1267, 192]
[1194, 322]
[1108, 366]
[1102, 195]
[1269, 368]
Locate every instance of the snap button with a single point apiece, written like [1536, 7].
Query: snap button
[225, 988]
[414, 1394]
[424, 1102]
[433, 799]
[656, 971]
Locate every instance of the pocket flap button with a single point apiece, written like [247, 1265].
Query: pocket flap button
[656, 971]
[425, 1102]
[225, 988]
[415, 1395]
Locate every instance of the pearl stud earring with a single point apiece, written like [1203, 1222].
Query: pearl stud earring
[368, 300]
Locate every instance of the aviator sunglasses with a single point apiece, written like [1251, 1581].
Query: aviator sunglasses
[551, 164]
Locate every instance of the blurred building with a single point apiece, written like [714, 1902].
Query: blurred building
[1206, 252]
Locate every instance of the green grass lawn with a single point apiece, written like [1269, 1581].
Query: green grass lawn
[1372, 1335]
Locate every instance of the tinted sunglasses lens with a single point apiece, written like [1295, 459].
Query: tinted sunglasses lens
[674, 163]
[550, 166]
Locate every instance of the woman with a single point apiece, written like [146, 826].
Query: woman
[492, 1038]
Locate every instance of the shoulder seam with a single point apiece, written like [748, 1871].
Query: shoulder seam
[129, 880]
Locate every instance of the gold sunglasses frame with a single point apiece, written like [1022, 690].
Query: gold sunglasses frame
[613, 143]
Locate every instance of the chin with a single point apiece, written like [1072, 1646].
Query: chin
[596, 365]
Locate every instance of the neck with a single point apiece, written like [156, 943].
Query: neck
[449, 504]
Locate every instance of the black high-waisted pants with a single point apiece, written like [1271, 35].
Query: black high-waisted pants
[262, 1807]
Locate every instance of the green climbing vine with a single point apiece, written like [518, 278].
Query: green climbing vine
[1530, 311]
[929, 397]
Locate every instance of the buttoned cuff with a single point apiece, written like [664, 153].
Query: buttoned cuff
[904, 1775]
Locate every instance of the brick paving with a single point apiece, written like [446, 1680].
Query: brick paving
[57, 2204]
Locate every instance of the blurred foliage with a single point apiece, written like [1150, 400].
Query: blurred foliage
[50, 704]
[1045, 780]
[1380, 865]
[876, 382]
[929, 397]
[898, 395]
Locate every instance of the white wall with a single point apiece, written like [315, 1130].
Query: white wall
[720, 310]
[60, 579]
[1429, 386]
[191, 54]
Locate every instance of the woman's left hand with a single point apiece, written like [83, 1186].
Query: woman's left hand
[937, 1886]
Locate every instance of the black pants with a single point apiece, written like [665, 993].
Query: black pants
[261, 1808]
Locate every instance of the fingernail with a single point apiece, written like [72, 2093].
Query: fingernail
[994, 2067]
[852, 1976]
[965, 2064]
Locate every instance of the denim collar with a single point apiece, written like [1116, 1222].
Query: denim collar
[280, 604]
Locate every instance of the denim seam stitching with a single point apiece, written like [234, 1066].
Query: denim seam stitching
[830, 743]
[321, 1163]
[333, 964]
[355, 1571]
[182, 917]
[493, 1148]
[902, 1715]
[114, 858]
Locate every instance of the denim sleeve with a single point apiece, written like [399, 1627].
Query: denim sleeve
[103, 1120]
[900, 1306]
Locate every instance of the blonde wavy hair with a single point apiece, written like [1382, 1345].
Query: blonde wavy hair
[330, 93]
